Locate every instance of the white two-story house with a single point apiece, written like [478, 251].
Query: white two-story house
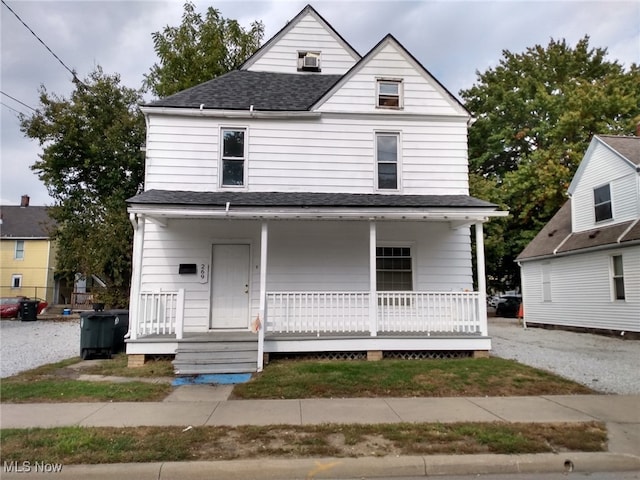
[313, 200]
[583, 268]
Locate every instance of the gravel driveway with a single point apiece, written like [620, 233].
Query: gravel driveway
[606, 364]
[26, 345]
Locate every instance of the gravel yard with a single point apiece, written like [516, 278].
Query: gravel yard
[606, 364]
[26, 345]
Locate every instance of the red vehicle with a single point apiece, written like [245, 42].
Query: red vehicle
[10, 306]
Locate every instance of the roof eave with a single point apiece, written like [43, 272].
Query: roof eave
[210, 112]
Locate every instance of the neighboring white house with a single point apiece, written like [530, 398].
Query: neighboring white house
[315, 197]
[583, 268]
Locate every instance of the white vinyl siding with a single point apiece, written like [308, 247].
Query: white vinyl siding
[334, 154]
[302, 256]
[582, 291]
[306, 35]
[605, 166]
[419, 94]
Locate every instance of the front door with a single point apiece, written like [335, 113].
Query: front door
[230, 286]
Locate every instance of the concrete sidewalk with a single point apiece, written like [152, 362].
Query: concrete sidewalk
[205, 405]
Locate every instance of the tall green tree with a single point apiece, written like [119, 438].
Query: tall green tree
[536, 113]
[198, 50]
[91, 162]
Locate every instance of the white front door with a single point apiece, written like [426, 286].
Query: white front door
[230, 286]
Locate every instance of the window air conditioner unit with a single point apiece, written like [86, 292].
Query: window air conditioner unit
[311, 61]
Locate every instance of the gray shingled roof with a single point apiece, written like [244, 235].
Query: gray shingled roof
[628, 147]
[25, 222]
[266, 91]
[302, 200]
[556, 236]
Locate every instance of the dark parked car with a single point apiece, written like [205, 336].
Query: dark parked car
[508, 306]
[10, 306]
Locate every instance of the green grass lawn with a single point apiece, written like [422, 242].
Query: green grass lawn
[404, 378]
[82, 445]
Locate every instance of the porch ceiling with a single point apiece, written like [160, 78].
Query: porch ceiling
[457, 209]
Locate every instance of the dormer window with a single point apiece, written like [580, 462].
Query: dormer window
[389, 93]
[602, 203]
[308, 61]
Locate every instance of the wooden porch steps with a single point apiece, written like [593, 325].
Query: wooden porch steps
[234, 352]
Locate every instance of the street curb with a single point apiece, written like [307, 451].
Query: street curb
[371, 467]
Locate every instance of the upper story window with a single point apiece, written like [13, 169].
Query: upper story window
[389, 94]
[602, 203]
[19, 250]
[308, 61]
[233, 157]
[387, 160]
[618, 277]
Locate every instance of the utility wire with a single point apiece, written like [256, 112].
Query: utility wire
[73, 73]
[16, 100]
[11, 108]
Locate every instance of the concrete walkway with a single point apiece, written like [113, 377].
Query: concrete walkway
[198, 405]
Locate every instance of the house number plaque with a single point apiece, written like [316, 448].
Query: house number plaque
[203, 272]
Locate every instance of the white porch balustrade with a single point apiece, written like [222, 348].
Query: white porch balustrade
[317, 312]
[397, 312]
[333, 313]
[160, 313]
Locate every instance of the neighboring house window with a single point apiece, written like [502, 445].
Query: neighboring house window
[389, 93]
[233, 157]
[618, 278]
[16, 281]
[546, 282]
[393, 269]
[387, 160]
[309, 61]
[19, 252]
[602, 203]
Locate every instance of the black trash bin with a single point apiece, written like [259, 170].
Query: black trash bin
[96, 334]
[29, 310]
[121, 328]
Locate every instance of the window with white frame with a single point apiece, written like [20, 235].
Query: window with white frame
[309, 61]
[233, 157]
[389, 93]
[387, 148]
[394, 270]
[19, 251]
[602, 203]
[16, 281]
[618, 277]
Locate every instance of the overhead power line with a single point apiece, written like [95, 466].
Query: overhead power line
[73, 73]
[11, 108]
[16, 100]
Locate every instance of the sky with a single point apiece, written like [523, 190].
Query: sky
[452, 39]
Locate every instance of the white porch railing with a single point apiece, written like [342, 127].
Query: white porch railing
[317, 312]
[427, 312]
[160, 314]
[332, 313]
[397, 312]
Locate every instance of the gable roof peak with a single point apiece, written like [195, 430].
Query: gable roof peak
[307, 10]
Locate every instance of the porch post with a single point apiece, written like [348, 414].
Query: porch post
[482, 280]
[264, 236]
[373, 294]
[136, 273]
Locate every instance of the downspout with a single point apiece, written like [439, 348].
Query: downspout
[136, 274]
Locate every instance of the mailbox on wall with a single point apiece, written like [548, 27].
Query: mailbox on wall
[200, 269]
[188, 269]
